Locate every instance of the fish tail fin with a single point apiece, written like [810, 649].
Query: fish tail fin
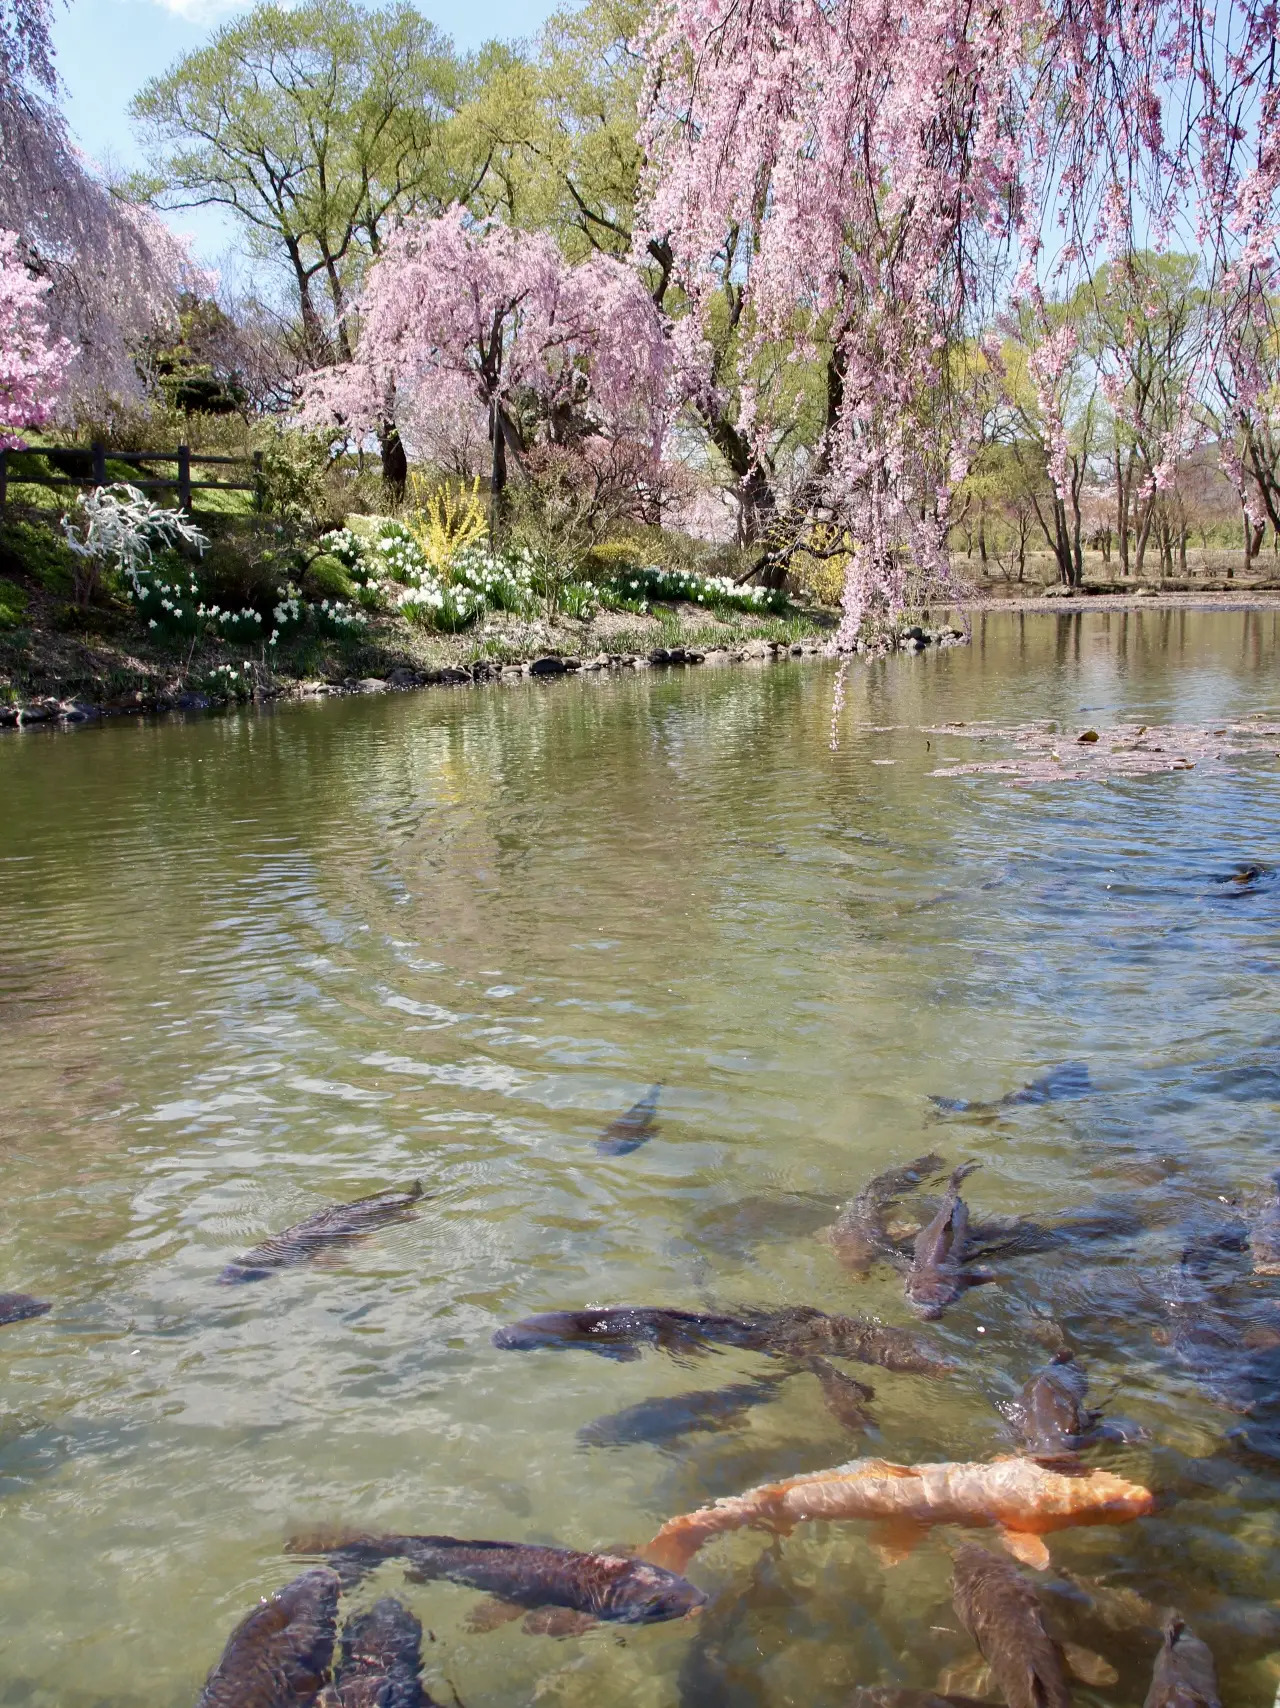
[962, 1173]
[672, 1553]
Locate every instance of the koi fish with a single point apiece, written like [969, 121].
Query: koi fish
[858, 1235]
[630, 1131]
[1247, 877]
[795, 1331]
[938, 1274]
[334, 1225]
[1184, 1675]
[522, 1576]
[1264, 1235]
[675, 1415]
[1018, 1497]
[21, 1307]
[1069, 1080]
[1051, 1416]
[278, 1656]
[381, 1661]
[998, 1608]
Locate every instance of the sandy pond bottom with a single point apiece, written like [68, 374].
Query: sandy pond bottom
[259, 962]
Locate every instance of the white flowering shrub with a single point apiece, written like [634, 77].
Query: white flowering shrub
[232, 681]
[120, 528]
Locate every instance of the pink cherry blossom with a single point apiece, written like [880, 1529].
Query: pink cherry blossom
[893, 173]
[453, 310]
[32, 364]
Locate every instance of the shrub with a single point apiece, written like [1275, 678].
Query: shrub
[295, 476]
[336, 617]
[446, 523]
[506, 582]
[238, 576]
[120, 527]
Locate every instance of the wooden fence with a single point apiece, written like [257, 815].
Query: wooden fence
[97, 456]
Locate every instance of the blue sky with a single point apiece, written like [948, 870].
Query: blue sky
[107, 49]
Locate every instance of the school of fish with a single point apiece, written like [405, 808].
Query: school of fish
[282, 1653]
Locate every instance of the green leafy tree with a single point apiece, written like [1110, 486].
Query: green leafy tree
[317, 128]
[558, 131]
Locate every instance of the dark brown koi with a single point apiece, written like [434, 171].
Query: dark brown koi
[21, 1307]
[1051, 1416]
[278, 1656]
[336, 1224]
[938, 1274]
[618, 1331]
[999, 1609]
[1184, 1675]
[675, 1415]
[526, 1575]
[631, 1130]
[1068, 1080]
[858, 1235]
[801, 1331]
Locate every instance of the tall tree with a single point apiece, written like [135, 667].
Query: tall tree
[893, 166]
[559, 131]
[318, 128]
[454, 312]
[113, 269]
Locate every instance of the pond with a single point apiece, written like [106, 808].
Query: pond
[262, 962]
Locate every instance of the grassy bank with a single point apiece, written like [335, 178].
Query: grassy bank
[59, 648]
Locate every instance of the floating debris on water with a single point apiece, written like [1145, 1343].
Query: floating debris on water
[1044, 752]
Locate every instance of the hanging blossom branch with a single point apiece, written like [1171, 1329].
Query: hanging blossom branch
[114, 269]
[894, 171]
[33, 364]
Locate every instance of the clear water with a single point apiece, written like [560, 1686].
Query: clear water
[258, 962]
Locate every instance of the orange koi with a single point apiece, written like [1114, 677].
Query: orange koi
[1018, 1497]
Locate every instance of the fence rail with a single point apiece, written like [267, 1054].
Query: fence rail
[98, 456]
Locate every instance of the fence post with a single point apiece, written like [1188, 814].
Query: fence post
[184, 477]
[259, 485]
[4, 477]
[99, 463]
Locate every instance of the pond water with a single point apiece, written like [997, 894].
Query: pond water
[260, 962]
